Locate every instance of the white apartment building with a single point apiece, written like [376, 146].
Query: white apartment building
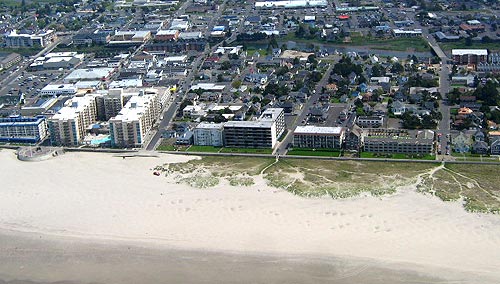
[132, 124]
[41, 39]
[318, 137]
[261, 133]
[67, 126]
[209, 134]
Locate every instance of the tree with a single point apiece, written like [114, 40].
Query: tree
[236, 84]
[226, 65]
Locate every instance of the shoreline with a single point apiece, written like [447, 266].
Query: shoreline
[101, 202]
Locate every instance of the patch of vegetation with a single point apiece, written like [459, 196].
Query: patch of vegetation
[200, 181]
[247, 150]
[397, 156]
[313, 152]
[241, 181]
[207, 149]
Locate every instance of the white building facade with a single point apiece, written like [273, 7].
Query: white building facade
[209, 134]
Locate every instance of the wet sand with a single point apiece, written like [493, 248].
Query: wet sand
[36, 259]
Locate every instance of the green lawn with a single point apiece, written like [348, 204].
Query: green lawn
[397, 156]
[208, 149]
[247, 150]
[314, 152]
[251, 51]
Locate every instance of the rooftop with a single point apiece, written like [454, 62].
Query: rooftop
[311, 129]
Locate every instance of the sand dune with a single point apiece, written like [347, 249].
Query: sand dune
[101, 197]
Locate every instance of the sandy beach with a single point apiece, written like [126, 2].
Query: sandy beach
[79, 199]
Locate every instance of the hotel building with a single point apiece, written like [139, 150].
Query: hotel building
[67, 126]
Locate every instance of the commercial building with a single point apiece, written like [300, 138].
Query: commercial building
[58, 90]
[209, 134]
[20, 129]
[8, 60]
[291, 4]
[92, 37]
[391, 141]
[130, 37]
[261, 133]
[102, 74]
[469, 56]
[40, 107]
[166, 35]
[370, 121]
[41, 39]
[318, 137]
[407, 33]
[67, 127]
[132, 124]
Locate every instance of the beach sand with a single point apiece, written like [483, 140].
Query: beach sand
[83, 209]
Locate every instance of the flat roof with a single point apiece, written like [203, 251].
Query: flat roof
[249, 124]
[208, 125]
[312, 129]
[58, 87]
[88, 74]
[134, 109]
[469, 51]
[73, 107]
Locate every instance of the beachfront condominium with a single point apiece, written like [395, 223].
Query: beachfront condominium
[392, 141]
[261, 133]
[209, 134]
[133, 123]
[109, 103]
[318, 137]
[67, 127]
[19, 129]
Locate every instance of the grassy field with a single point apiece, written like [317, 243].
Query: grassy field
[206, 149]
[313, 152]
[476, 186]
[396, 156]
[247, 150]
[448, 46]
[397, 44]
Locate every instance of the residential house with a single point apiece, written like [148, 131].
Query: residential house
[461, 143]
[480, 147]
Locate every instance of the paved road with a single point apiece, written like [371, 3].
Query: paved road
[281, 148]
[5, 83]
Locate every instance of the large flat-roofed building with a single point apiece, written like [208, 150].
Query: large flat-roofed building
[132, 124]
[91, 37]
[90, 74]
[67, 126]
[291, 4]
[318, 137]
[469, 56]
[209, 134]
[261, 133]
[58, 90]
[8, 60]
[407, 33]
[19, 129]
[109, 103]
[130, 37]
[41, 39]
[390, 141]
